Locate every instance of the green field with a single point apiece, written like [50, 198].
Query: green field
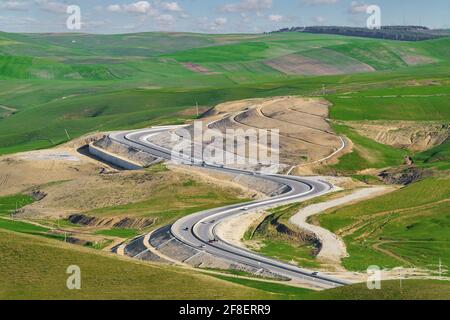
[39, 272]
[413, 104]
[28, 228]
[409, 227]
[9, 204]
[390, 290]
[438, 157]
[84, 83]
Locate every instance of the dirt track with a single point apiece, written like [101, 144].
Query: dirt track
[333, 248]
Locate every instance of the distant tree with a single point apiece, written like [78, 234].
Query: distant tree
[400, 33]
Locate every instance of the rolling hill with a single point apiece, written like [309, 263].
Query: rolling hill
[44, 262]
[56, 87]
[83, 83]
[41, 270]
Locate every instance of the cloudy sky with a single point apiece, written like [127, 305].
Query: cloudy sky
[213, 16]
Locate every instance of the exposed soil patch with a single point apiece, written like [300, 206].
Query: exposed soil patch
[115, 222]
[38, 195]
[271, 227]
[305, 134]
[297, 64]
[404, 175]
[6, 112]
[414, 60]
[416, 136]
[66, 182]
[196, 68]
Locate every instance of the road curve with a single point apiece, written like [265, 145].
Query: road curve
[199, 230]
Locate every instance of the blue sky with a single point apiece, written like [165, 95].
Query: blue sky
[213, 16]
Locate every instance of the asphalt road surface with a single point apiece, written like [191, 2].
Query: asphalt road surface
[199, 230]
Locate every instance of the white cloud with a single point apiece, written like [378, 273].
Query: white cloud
[246, 5]
[319, 19]
[114, 8]
[206, 24]
[276, 18]
[147, 8]
[14, 5]
[221, 21]
[357, 7]
[140, 7]
[170, 6]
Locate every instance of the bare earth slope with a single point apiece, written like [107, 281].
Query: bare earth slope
[305, 134]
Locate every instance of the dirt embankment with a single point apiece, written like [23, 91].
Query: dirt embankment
[270, 226]
[415, 136]
[111, 222]
[304, 131]
[249, 186]
[74, 183]
[125, 151]
[299, 236]
[306, 138]
[404, 175]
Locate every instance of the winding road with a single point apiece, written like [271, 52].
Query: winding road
[199, 230]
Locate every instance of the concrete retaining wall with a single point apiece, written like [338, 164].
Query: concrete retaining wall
[113, 159]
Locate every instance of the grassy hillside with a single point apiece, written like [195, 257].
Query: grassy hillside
[84, 83]
[222, 59]
[49, 107]
[53, 83]
[413, 103]
[175, 197]
[409, 227]
[390, 290]
[438, 157]
[366, 153]
[39, 272]
[10, 203]
[164, 197]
